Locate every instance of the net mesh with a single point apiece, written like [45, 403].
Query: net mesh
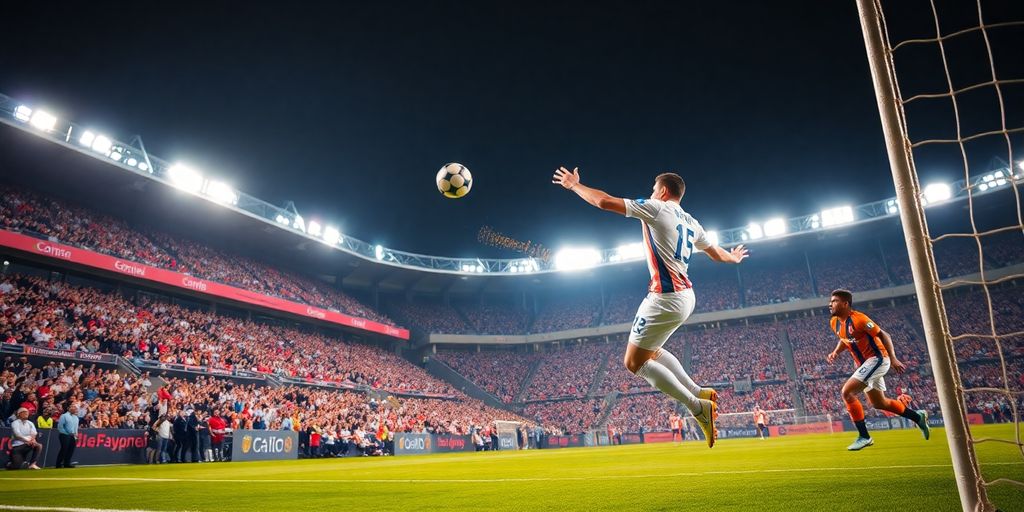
[971, 94]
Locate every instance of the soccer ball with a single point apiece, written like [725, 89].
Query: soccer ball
[454, 180]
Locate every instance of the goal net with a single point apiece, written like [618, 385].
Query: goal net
[949, 81]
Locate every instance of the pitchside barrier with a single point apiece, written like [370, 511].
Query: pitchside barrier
[94, 447]
[264, 445]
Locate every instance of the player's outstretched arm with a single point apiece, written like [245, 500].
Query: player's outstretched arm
[736, 255]
[598, 198]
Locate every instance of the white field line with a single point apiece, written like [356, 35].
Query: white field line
[482, 480]
[70, 509]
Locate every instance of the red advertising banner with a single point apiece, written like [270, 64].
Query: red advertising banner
[167, 277]
[822, 427]
[657, 437]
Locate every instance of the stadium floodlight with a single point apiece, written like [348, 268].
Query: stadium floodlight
[101, 144]
[299, 224]
[837, 216]
[753, 232]
[185, 178]
[892, 207]
[313, 228]
[221, 193]
[281, 219]
[572, 258]
[712, 237]
[87, 138]
[775, 227]
[132, 161]
[43, 120]
[627, 252]
[332, 235]
[23, 113]
[936, 193]
[815, 221]
[379, 252]
[143, 166]
[116, 155]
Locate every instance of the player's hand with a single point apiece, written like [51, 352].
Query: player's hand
[897, 365]
[565, 178]
[739, 253]
[831, 358]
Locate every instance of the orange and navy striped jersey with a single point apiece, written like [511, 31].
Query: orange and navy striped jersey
[860, 335]
[670, 237]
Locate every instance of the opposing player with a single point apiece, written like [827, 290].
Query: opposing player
[761, 420]
[670, 235]
[873, 354]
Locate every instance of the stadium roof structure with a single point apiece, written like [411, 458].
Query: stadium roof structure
[130, 182]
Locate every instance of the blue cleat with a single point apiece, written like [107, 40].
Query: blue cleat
[860, 444]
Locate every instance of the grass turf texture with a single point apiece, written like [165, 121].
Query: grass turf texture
[802, 473]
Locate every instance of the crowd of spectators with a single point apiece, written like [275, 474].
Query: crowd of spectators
[207, 408]
[732, 353]
[642, 412]
[864, 272]
[775, 281]
[72, 225]
[568, 372]
[567, 416]
[58, 315]
[500, 373]
[427, 317]
[562, 315]
[496, 319]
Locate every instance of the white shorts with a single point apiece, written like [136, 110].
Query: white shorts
[658, 316]
[872, 373]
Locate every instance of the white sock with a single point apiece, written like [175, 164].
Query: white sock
[662, 378]
[669, 361]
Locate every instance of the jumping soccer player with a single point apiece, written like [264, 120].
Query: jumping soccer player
[873, 354]
[670, 235]
[761, 420]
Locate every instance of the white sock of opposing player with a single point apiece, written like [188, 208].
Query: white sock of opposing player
[666, 358]
[662, 378]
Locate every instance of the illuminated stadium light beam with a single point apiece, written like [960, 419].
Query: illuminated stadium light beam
[299, 224]
[101, 144]
[87, 138]
[937, 193]
[132, 161]
[753, 232]
[281, 219]
[23, 113]
[572, 258]
[837, 216]
[43, 120]
[815, 221]
[143, 166]
[221, 192]
[185, 178]
[378, 252]
[891, 207]
[116, 155]
[332, 235]
[313, 228]
[775, 227]
[627, 252]
[712, 237]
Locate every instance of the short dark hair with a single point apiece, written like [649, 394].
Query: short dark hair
[844, 295]
[672, 182]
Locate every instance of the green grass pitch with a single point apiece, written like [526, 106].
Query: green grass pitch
[800, 473]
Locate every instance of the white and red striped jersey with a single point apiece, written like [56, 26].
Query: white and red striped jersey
[670, 235]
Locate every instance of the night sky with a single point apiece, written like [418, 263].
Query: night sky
[765, 109]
